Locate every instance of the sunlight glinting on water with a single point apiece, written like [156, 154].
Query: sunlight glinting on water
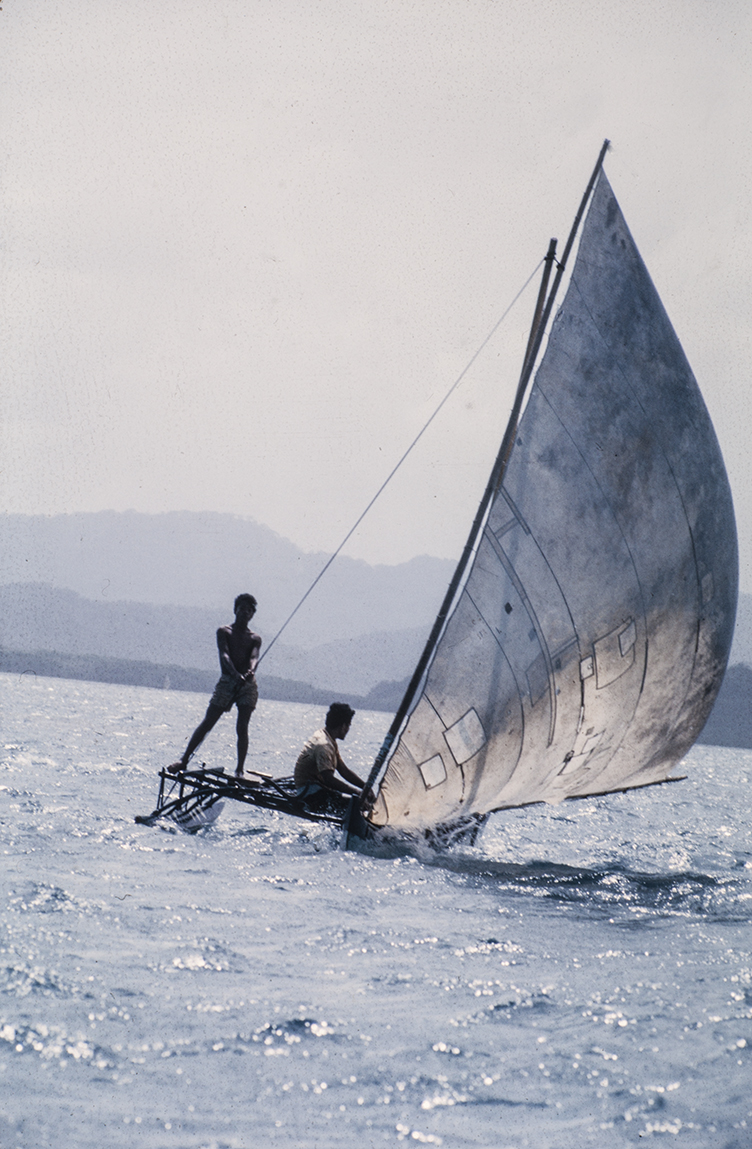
[581, 977]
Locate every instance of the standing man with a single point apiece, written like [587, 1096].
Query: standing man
[319, 763]
[238, 655]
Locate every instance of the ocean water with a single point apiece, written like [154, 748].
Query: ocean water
[581, 977]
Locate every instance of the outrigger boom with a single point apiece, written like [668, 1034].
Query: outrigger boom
[190, 797]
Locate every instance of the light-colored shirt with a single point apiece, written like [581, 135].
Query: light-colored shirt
[318, 757]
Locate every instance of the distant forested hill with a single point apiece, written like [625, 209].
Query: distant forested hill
[130, 672]
[201, 561]
[730, 722]
[35, 617]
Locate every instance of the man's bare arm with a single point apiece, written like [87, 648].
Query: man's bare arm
[353, 778]
[330, 781]
[255, 650]
[350, 775]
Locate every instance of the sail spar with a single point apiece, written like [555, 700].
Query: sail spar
[588, 642]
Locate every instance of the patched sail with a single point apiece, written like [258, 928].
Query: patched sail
[587, 645]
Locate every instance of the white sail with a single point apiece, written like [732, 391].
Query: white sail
[588, 642]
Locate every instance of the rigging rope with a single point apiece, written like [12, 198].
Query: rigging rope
[397, 465]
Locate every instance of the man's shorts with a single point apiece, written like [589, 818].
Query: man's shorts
[227, 693]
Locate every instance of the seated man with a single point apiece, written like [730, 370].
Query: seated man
[319, 763]
[238, 649]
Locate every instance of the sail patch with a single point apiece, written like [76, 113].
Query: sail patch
[584, 745]
[466, 737]
[433, 772]
[614, 654]
[627, 639]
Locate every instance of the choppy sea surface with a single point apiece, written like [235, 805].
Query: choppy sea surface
[580, 977]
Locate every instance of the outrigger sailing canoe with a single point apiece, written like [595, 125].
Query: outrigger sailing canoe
[584, 636]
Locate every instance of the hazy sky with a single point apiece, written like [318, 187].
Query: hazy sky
[248, 245]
